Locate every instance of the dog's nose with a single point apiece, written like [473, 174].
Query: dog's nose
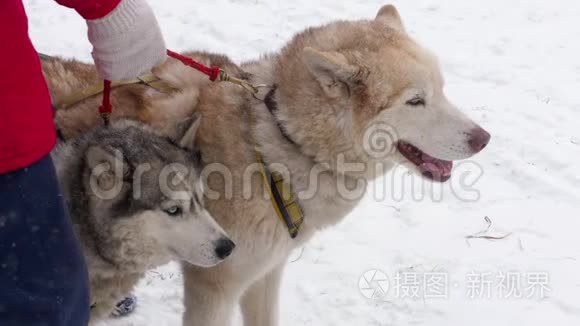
[478, 139]
[224, 248]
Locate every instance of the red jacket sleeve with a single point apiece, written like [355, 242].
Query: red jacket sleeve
[91, 9]
[26, 121]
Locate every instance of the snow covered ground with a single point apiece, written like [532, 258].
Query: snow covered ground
[514, 66]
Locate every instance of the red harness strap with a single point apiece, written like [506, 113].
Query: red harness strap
[212, 72]
[106, 108]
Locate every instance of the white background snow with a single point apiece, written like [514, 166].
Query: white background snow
[512, 65]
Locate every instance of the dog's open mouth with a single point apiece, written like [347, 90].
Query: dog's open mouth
[430, 167]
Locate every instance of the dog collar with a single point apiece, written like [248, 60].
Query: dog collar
[272, 105]
[285, 204]
[283, 200]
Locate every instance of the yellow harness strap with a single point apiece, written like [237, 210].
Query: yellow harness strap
[282, 197]
[95, 89]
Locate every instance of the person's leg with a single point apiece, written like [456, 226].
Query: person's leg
[43, 276]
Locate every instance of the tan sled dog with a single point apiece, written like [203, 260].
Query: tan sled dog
[332, 91]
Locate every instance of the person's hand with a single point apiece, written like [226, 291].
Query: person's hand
[127, 42]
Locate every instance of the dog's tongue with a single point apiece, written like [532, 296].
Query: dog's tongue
[436, 169]
[432, 168]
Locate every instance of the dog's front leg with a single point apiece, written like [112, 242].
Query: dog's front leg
[210, 296]
[260, 301]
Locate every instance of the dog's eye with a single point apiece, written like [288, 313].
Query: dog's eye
[173, 211]
[416, 101]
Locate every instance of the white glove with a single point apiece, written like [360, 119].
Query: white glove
[127, 42]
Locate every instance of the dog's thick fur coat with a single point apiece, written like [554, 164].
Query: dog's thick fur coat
[333, 84]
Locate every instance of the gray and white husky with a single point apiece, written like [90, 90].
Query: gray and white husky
[135, 199]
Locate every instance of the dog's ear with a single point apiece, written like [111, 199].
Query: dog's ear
[106, 166]
[389, 16]
[187, 131]
[331, 69]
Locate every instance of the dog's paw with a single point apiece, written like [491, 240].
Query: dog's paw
[125, 306]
